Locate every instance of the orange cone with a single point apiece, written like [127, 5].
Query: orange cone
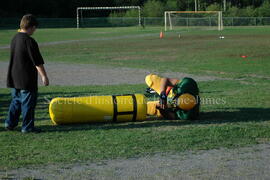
[161, 35]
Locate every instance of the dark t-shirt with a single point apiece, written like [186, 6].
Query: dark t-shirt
[25, 55]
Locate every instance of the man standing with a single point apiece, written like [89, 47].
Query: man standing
[22, 77]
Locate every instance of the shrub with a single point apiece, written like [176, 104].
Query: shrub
[264, 10]
[213, 7]
[132, 13]
[171, 5]
[153, 8]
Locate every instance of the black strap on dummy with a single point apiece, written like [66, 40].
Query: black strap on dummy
[115, 108]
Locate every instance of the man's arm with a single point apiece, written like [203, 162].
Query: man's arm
[165, 82]
[41, 70]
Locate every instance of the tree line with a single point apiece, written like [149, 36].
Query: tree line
[151, 8]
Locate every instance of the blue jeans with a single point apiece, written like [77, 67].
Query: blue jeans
[23, 102]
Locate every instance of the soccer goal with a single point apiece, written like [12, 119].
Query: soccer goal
[81, 18]
[193, 19]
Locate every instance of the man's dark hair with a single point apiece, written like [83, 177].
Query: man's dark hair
[28, 21]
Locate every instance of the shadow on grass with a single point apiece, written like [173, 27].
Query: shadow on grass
[217, 117]
[220, 117]
[4, 104]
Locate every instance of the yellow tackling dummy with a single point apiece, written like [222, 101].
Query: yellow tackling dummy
[98, 109]
[113, 108]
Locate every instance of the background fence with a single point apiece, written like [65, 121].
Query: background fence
[13, 23]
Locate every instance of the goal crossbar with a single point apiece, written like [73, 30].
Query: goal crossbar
[101, 8]
[107, 8]
[168, 13]
[198, 12]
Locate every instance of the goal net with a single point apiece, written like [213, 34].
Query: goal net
[175, 20]
[108, 16]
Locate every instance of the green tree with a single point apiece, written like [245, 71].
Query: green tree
[249, 11]
[233, 11]
[153, 8]
[264, 10]
[132, 13]
[182, 5]
[214, 7]
[171, 5]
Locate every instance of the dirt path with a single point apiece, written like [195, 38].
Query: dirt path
[243, 163]
[86, 74]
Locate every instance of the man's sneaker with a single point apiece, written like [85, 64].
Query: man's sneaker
[150, 91]
[32, 130]
[8, 128]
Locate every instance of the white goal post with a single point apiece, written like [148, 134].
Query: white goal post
[167, 17]
[107, 8]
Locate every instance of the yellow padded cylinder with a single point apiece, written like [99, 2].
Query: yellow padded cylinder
[152, 109]
[98, 109]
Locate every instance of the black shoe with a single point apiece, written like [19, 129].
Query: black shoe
[32, 130]
[8, 128]
[150, 91]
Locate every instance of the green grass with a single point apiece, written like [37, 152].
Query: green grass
[243, 120]
[49, 35]
[200, 52]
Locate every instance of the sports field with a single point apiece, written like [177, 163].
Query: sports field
[242, 118]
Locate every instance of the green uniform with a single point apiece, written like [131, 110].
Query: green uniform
[187, 85]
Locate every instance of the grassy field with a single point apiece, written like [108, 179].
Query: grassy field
[243, 120]
[195, 52]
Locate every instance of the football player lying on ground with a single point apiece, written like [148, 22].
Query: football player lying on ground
[179, 99]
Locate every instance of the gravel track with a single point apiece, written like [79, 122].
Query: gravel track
[86, 74]
[243, 163]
